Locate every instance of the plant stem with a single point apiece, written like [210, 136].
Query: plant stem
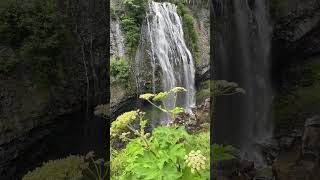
[97, 170]
[163, 110]
[174, 105]
[93, 174]
[144, 140]
[198, 173]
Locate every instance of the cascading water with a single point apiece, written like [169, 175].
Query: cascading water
[168, 52]
[242, 55]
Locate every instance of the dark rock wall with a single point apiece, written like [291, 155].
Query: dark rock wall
[39, 122]
[296, 35]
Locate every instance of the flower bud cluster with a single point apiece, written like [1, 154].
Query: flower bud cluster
[195, 160]
[121, 123]
[124, 136]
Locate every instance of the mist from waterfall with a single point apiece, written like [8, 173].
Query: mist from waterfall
[168, 52]
[243, 56]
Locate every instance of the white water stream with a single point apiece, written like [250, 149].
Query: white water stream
[168, 52]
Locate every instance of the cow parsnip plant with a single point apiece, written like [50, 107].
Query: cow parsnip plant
[71, 168]
[167, 153]
[163, 156]
[162, 97]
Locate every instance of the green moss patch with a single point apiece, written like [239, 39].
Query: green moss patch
[294, 103]
[203, 92]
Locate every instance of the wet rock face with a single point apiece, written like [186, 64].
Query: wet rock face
[26, 110]
[311, 139]
[297, 34]
[30, 111]
[203, 28]
[116, 38]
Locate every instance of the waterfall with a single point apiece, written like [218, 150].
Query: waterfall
[169, 58]
[243, 56]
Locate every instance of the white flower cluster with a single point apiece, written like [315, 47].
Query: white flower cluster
[195, 160]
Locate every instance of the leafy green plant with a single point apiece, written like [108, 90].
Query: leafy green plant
[222, 153]
[118, 163]
[37, 33]
[120, 71]
[162, 97]
[163, 156]
[71, 167]
[167, 153]
[131, 20]
[96, 167]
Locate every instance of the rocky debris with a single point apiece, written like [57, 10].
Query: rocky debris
[189, 120]
[301, 162]
[286, 167]
[311, 139]
[264, 174]
[290, 159]
[270, 150]
[237, 169]
[194, 120]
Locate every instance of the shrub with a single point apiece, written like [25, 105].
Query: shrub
[169, 153]
[163, 156]
[120, 71]
[71, 167]
[131, 21]
[117, 163]
[38, 34]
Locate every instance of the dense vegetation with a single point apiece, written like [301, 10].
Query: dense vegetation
[119, 71]
[168, 152]
[37, 34]
[131, 13]
[71, 168]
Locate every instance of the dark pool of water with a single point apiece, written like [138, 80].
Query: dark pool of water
[69, 134]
